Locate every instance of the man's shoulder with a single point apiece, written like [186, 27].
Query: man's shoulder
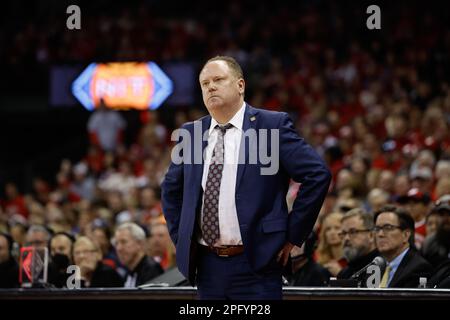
[149, 269]
[267, 113]
[430, 241]
[150, 263]
[267, 118]
[416, 261]
[191, 124]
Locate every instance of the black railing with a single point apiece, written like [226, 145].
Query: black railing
[190, 293]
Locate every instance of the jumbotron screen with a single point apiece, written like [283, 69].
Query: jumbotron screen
[122, 85]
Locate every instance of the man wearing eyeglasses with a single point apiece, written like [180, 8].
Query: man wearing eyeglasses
[394, 238]
[358, 241]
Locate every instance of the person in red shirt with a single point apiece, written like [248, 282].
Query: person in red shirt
[15, 202]
[160, 247]
[417, 204]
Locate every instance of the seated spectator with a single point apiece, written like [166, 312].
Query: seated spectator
[436, 248]
[100, 233]
[160, 246]
[329, 252]
[130, 245]
[386, 181]
[61, 243]
[150, 205]
[432, 222]
[61, 248]
[38, 236]
[416, 203]
[15, 202]
[442, 187]
[18, 231]
[123, 180]
[305, 271]
[394, 234]
[9, 269]
[344, 204]
[376, 199]
[422, 179]
[358, 241]
[87, 256]
[401, 185]
[83, 185]
[441, 276]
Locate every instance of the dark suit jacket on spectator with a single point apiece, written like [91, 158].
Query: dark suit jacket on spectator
[357, 265]
[412, 267]
[436, 250]
[146, 270]
[105, 277]
[9, 274]
[310, 275]
[441, 276]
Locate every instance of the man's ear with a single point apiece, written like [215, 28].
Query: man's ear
[372, 236]
[241, 86]
[407, 233]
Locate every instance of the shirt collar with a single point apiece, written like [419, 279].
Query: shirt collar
[237, 120]
[396, 262]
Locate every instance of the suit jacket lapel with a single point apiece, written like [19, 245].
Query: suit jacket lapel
[401, 268]
[198, 167]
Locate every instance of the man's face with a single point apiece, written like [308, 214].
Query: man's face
[391, 240]
[444, 221]
[37, 239]
[433, 222]
[417, 209]
[101, 239]
[11, 191]
[61, 245]
[127, 247]
[18, 233]
[86, 256]
[4, 252]
[160, 239]
[357, 240]
[220, 86]
[148, 198]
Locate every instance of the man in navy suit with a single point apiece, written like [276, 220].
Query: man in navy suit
[224, 195]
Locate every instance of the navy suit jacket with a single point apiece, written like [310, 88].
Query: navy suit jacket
[264, 222]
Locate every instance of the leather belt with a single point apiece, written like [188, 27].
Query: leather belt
[225, 251]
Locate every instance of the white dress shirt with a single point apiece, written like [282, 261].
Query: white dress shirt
[230, 233]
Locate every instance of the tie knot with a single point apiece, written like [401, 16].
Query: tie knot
[224, 128]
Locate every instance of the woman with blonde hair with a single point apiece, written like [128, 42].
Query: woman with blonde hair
[329, 252]
[93, 273]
